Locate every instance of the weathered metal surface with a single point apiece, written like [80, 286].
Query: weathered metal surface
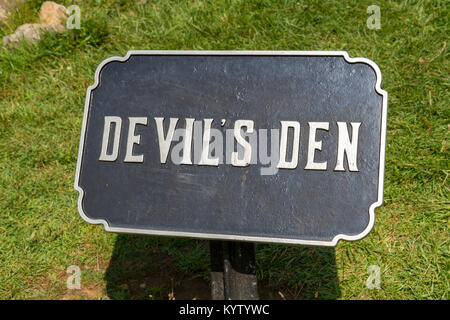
[306, 204]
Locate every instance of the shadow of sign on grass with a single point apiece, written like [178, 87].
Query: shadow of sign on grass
[144, 267]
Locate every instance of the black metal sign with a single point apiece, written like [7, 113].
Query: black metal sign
[238, 145]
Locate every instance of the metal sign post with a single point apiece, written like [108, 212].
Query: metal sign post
[233, 271]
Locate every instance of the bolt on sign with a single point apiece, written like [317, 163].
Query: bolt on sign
[270, 146]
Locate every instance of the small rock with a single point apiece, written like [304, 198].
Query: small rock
[52, 13]
[31, 32]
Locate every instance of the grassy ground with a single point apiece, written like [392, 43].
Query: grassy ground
[42, 90]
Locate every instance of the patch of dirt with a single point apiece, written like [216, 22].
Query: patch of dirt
[152, 276]
[91, 292]
[193, 288]
[141, 273]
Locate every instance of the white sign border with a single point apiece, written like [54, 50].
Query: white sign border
[215, 236]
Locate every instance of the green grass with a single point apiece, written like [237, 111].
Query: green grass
[42, 90]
